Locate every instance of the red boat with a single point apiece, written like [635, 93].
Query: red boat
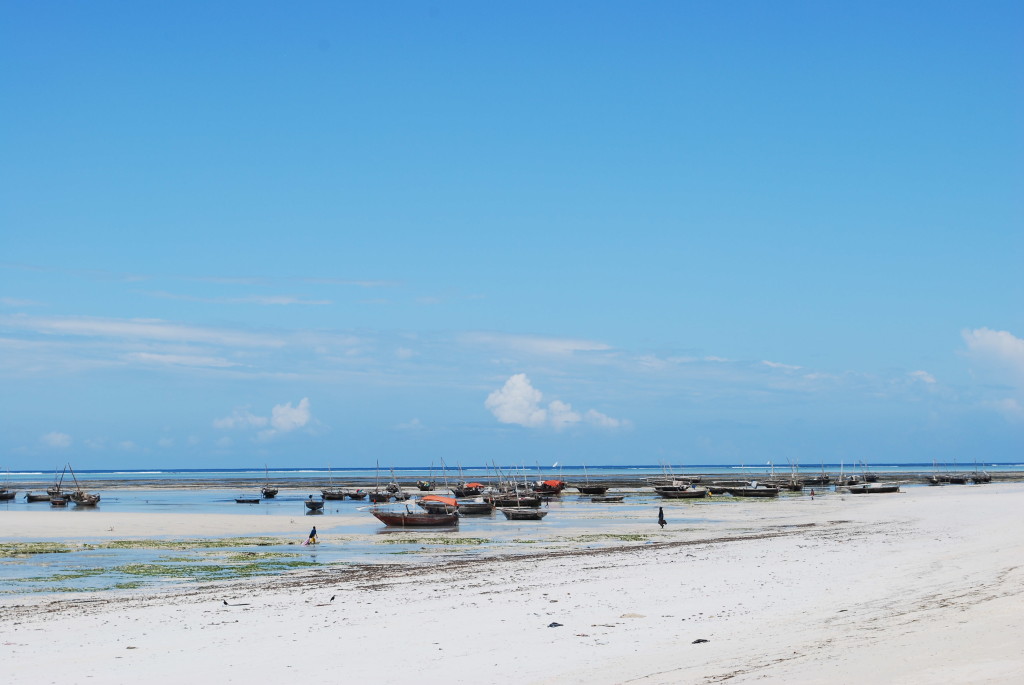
[549, 487]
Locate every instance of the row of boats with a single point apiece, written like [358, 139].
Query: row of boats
[57, 495]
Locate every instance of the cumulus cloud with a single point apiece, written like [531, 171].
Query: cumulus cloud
[999, 356]
[998, 348]
[284, 418]
[520, 403]
[241, 418]
[55, 439]
[517, 402]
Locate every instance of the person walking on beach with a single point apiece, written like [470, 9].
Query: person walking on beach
[312, 537]
[661, 517]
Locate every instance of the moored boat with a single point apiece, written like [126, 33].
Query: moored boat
[607, 498]
[247, 500]
[314, 504]
[33, 497]
[692, 493]
[874, 488]
[410, 519]
[523, 513]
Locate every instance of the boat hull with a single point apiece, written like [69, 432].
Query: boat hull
[410, 520]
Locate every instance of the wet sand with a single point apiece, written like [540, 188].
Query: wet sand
[925, 586]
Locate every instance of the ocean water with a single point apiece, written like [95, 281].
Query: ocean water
[408, 474]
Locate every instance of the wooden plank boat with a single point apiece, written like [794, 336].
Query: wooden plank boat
[592, 489]
[608, 498]
[692, 493]
[268, 490]
[58, 501]
[874, 488]
[355, 494]
[753, 492]
[425, 485]
[7, 495]
[522, 513]
[473, 508]
[332, 494]
[247, 500]
[314, 504]
[409, 519]
[468, 489]
[32, 497]
[84, 499]
[516, 500]
[380, 496]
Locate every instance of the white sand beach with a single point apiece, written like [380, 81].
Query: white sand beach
[926, 586]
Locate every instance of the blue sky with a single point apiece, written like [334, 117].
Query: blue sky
[584, 232]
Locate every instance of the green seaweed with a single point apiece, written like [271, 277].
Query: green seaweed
[21, 549]
[438, 540]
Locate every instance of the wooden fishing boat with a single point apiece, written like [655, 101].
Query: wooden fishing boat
[247, 500]
[522, 513]
[592, 489]
[409, 519]
[380, 496]
[549, 487]
[333, 494]
[80, 497]
[874, 488]
[516, 500]
[84, 499]
[268, 491]
[692, 493]
[58, 501]
[355, 494]
[608, 498]
[314, 504]
[6, 494]
[753, 491]
[480, 507]
[33, 497]
[424, 485]
[468, 489]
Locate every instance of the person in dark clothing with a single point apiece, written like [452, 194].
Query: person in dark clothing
[312, 537]
[661, 517]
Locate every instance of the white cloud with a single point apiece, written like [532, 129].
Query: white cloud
[55, 439]
[127, 445]
[180, 360]
[999, 356]
[777, 365]
[405, 353]
[137, 329]
[533, 344]
[561, 415]
[241, 418]
[598, 419]
[165, 442]
[923, 376]
[413, 425]
[285, 418]
[519, 402]
[249, 299]
[998, 348]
